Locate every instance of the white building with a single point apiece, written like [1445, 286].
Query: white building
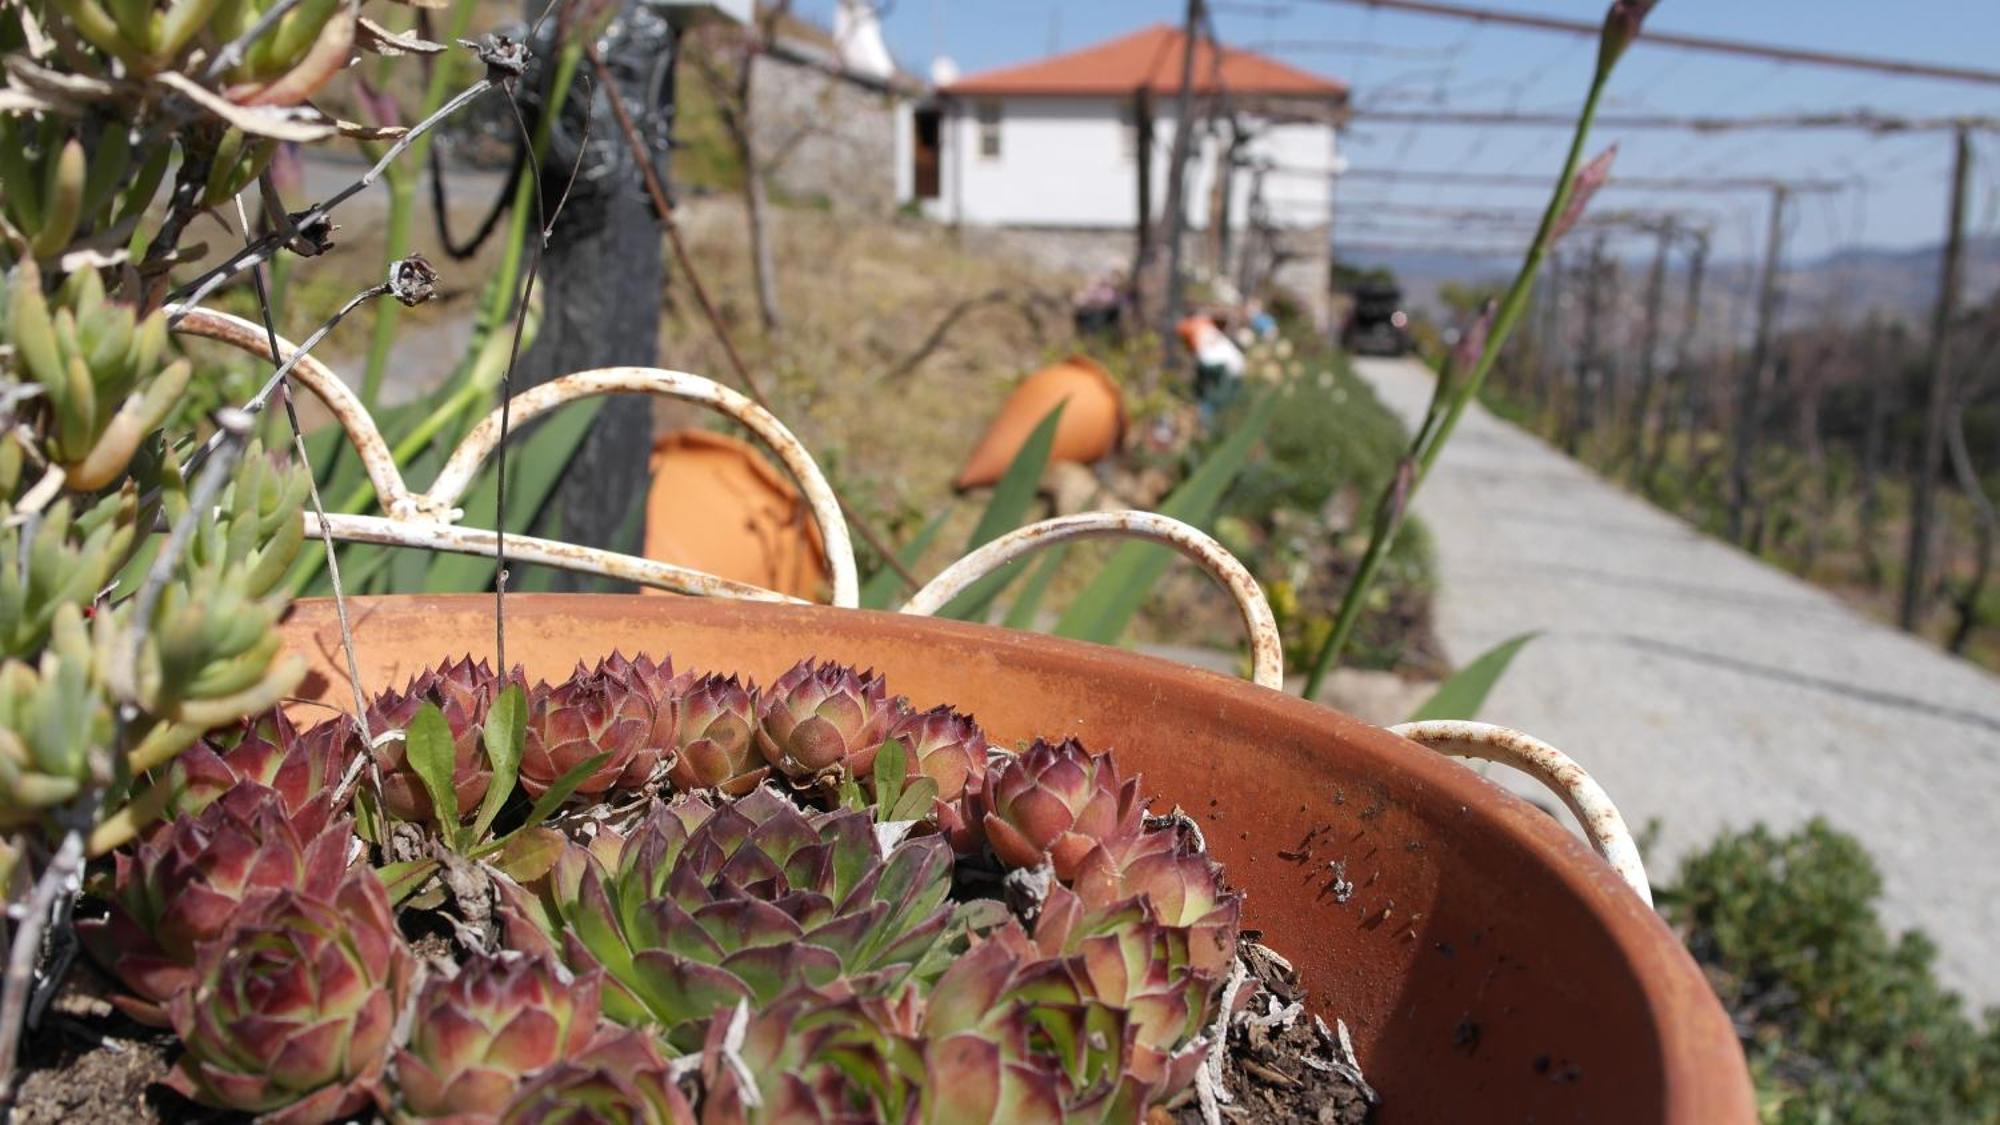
[1080, 141]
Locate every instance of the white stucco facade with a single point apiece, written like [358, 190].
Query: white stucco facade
[1070, 162]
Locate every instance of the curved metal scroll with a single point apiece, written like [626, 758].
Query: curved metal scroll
[429, 519]
[1601, 820]
[1267, 653]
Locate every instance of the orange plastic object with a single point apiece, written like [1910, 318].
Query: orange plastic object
[718, 506]
[1091, 425]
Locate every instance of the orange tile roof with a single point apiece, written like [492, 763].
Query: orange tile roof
[1152, 58]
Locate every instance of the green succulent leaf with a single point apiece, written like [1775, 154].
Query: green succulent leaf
[506, 728]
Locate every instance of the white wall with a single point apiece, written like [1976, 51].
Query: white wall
[1064, 163]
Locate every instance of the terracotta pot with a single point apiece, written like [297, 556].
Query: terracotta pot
[716, 505]
[1490, 966]
[1091, 423]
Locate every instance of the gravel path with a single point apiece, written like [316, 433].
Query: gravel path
[1709, 690]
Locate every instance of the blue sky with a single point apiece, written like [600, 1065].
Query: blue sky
[1420, 61]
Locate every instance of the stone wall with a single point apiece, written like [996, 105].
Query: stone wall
[837, 136]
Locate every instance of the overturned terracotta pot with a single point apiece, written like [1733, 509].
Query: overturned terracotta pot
[1093, 419]
[1489, 965]
[717, 506]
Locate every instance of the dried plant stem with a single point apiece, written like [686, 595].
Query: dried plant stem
[665, 208]
[63, 871]
[260, 251]
[281, 379]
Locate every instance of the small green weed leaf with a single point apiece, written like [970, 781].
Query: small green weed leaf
[427, 744]
[506, 727]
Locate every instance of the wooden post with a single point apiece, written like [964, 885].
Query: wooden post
[1588, 359]
[1176, 216]
[1937, 414]
[1142, 126]
[1683, 370]
[1549, 361]
[1649, 343]
[1750, 382]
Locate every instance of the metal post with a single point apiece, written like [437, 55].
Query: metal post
[1750, 381]
[1923, 504]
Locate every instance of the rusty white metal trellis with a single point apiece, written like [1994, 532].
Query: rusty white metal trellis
[429, 520]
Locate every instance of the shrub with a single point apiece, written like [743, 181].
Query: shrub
[1840, 1020]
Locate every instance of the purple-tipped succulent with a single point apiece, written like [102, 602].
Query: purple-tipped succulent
[821, 722]
[717, 738]
[945, 746]
[1179, 886]
[184, 884]
[293, 1007]
[1125, 959]
[463, 691]
[813, 1055]
[478, 1036]
[602, 710]
[1052, 803]
[619, 1080]
[304, 766]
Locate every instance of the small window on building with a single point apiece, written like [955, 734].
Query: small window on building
[989, 130]
[1128, 134]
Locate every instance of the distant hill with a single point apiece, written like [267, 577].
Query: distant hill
[1901, 283]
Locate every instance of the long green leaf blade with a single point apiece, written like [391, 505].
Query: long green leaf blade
[1021, 615]
[1461, 695]
[1101, 612]
[885, 586]
[1005, 510]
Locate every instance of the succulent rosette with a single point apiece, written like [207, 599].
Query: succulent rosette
[303, 766]
[477, 1036]
[1179, 886]
[821, 722]
[292, 1007]
[1126, 960]
[184, 884]
[711, 904]
[464, 692]
[658, 683]
[813, 1056]
[619, 1080]
[1011, 1035]
[717, 738]
[1052, 803]
[945, 746]
[601, 711]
